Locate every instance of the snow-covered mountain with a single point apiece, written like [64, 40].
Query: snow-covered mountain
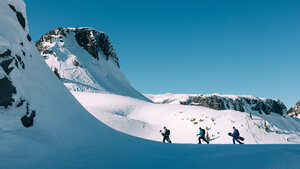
[76, 56]
[65, 135]
[295, 111]
[243, 103]
[85, 60]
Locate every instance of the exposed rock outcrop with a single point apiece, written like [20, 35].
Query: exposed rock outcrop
[19, 15]
[6, 92]
[242, 104]
[13, 58]
[295, 111]
[91, 40]
[225, 102]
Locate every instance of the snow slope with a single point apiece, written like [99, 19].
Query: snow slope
[85, 61]
[144, 119]
[65, 135]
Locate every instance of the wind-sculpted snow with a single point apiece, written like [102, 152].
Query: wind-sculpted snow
[85, 60]
[64, 135]
[243, 103]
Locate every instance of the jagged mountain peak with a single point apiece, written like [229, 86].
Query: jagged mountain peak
[85, 60]
[90, 39]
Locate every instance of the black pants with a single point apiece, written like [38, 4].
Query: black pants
[202, 139]
[167, 138]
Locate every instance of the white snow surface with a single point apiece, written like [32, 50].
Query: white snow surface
[144, 120]
[65, 135]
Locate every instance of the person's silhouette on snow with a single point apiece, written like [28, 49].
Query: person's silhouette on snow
[166, 134]
[202, 136]
[235, 136]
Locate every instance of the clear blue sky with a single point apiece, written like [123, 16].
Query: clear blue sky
[230, 47]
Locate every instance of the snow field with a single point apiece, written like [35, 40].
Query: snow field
[145, 119]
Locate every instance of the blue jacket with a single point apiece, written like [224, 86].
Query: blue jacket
[235, 133]
[201, 133]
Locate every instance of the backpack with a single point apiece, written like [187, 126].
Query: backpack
[202, 132]
[27, 121]
[168, 132]
[237, 133]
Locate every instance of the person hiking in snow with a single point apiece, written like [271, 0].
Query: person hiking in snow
[235, 136]
[166, 134]
[202, 136]
[27, 120]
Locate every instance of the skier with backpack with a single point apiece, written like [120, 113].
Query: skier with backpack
[166, 134]
[236, 136]
[202, 136]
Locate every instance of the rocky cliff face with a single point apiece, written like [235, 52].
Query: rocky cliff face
[90, 39]
[242, 104]
[295, 111]
[224, 102]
